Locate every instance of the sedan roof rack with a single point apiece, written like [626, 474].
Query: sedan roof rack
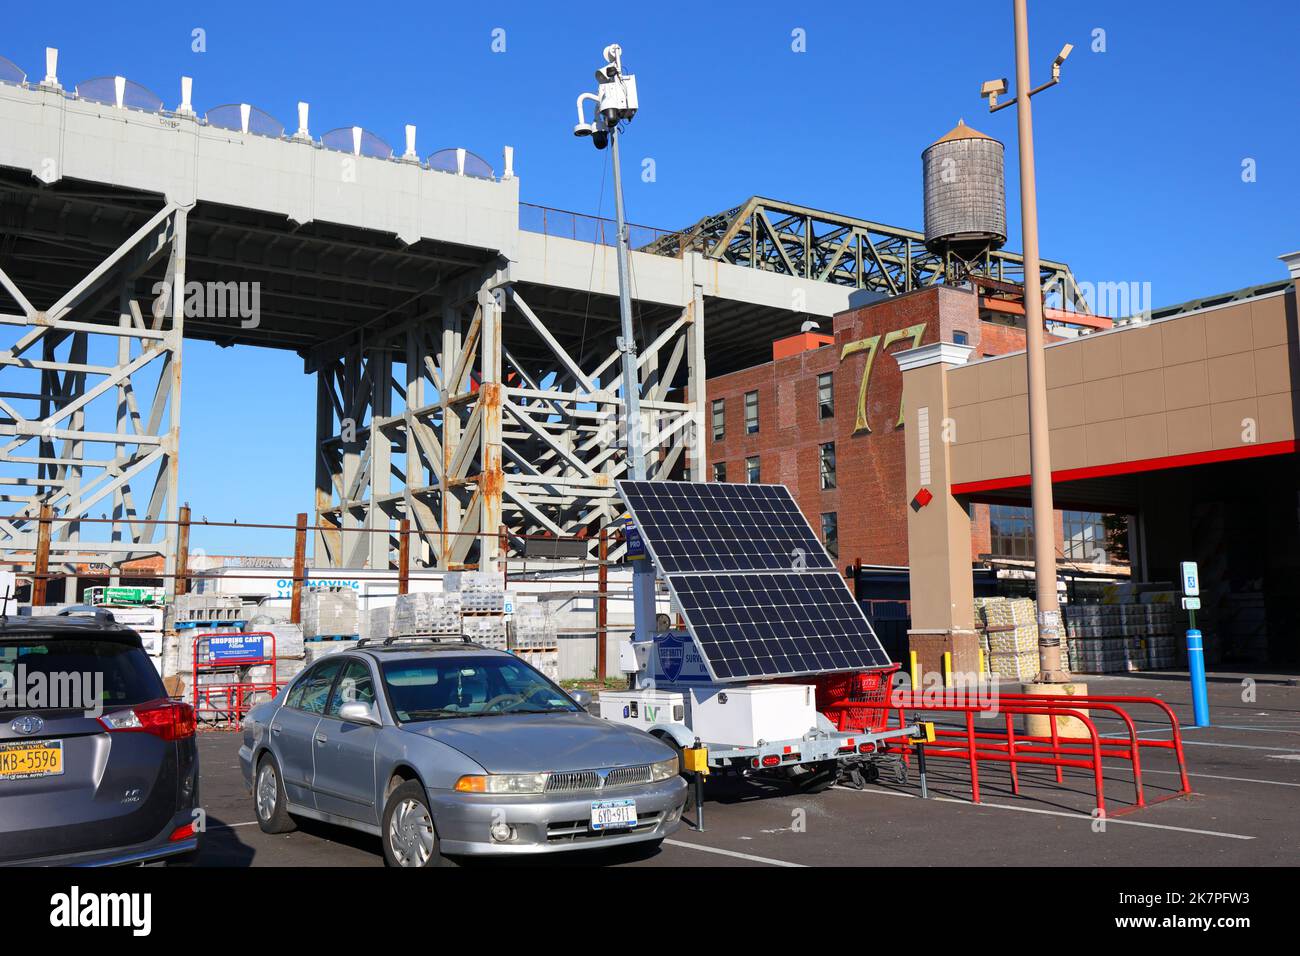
[414, 639]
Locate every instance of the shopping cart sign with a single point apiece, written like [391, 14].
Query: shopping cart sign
[230, 647]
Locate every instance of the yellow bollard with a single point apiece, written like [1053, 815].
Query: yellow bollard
[915, 667]
[947, 668]
[982, 670]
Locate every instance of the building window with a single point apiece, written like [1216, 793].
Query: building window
[751, 413]
[751, 470]
[826, 458]
[831, 533]
[719, 471]
[959, 338]
[1011, 532]
[825, 396]
[1085, 537]
[719, 419]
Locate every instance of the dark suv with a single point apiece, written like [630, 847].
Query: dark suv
[97, 765]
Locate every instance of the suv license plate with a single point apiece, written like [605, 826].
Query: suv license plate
[612, 814]
[21, 761]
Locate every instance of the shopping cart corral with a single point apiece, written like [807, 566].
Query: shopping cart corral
[233, 672]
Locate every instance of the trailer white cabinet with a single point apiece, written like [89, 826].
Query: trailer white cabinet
[741, 715]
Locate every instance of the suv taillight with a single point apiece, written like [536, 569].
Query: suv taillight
[168, 719]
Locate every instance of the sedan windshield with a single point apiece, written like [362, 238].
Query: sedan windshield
[432, 689]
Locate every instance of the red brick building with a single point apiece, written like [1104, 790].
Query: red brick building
[824, 418]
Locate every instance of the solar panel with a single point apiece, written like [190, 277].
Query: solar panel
[765, 625]
[715, 527]
[760, 595]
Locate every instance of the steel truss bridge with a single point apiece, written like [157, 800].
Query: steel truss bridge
[464, 345]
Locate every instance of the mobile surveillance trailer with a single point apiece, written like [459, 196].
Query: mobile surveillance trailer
[767, 619]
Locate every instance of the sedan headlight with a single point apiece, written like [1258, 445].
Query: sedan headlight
[503, 783]
[665, 769]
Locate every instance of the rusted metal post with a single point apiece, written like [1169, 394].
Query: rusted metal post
[404, 557]
[40, 577]
[299, 568]
[183, 552]
[602, 603]
[857, 571]
[503, 547]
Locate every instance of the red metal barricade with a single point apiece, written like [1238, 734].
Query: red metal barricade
[1002, 744]
[223, 705]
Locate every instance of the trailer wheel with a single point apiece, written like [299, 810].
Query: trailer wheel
[818, 777]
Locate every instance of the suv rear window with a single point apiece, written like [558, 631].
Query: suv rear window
[128, 677]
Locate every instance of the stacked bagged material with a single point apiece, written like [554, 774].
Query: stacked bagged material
[546, 661]
[480, 591]
[533, 626]
[315, 650]
[428, 612]
[1131, 636]
[329, 612]
[380, 623]
[288, 639]
[487, 631]
[1009, 636]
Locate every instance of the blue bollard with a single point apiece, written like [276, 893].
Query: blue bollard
[1196, 665]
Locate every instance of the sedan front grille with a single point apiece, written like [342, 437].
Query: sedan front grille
[569, 782]
[626, 776]
[582, 780]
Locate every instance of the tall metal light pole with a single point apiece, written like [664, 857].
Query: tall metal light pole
[616, 102]
[1052, 669]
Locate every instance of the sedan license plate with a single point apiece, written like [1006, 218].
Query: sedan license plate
[20, 761]
[613, 814]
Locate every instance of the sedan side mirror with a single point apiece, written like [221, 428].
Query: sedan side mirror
[354, 711]
[581, 697]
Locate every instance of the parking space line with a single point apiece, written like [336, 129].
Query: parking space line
[1215, 776]
[740, 856]
[1207, 743]
[1084, 817]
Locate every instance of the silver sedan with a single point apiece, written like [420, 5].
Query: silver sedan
[446, 750]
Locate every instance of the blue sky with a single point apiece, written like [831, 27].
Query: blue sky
[1140, 150]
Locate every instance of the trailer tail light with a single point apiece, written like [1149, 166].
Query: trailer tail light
[867, 748]
[168, 719]
[771, 760]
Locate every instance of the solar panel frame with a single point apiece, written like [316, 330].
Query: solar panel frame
[726, 592]
[721, 535]
[821, 627]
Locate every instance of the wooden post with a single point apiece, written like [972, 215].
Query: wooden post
[40, 579]
[183, 552]
[404, 557]
[602, 604]
[299, 568]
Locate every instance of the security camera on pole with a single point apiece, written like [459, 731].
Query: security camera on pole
[1053, 664]
[616, 103]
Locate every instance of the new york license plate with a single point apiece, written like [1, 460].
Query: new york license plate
[21, 760]
[611, 814]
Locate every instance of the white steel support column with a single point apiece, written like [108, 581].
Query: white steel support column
[91, 370]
